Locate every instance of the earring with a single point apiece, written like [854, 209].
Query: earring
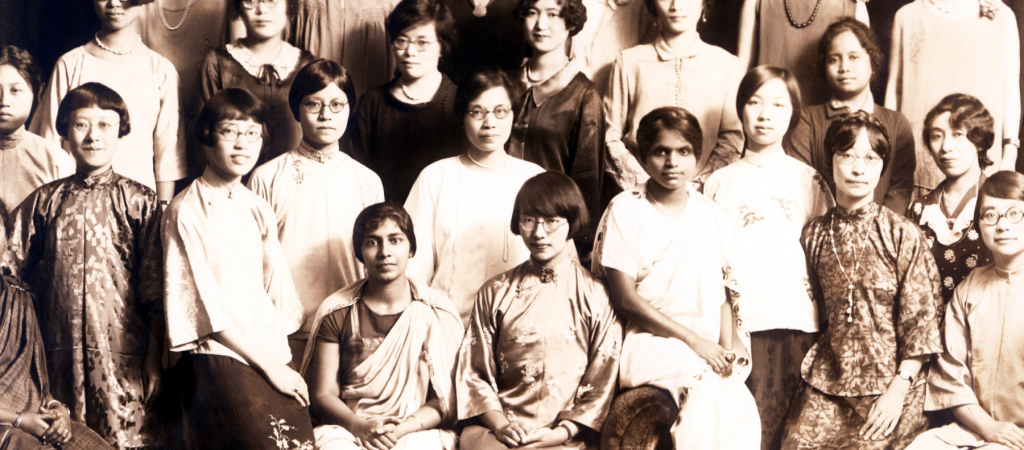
[703, 16]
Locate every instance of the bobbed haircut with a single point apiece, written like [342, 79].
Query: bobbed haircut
[92, 95]
[291, 8]
[864, 35]
[316, 76]
[760, 75]
[573, 12]
[1005, 184]
[842, 135]
[652, 6]
[965, 113]
[668, 119]
[229, 104]
[483, 81]
[551, 194]
[372, 217]
[413, 13]
[25, 65]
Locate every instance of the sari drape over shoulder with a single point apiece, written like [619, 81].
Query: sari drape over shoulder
[420, 348]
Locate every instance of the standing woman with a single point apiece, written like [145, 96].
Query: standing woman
[148, 83]
[229, 296]
[462, 205]
[560, 125]
[408, 123]
[770, 196]
[677, 69]
[974, 45]
[263, 64]
[872, 272]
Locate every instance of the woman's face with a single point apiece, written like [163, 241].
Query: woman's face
[93, 138]
[324, 128]
[545, 246]
[15, 99]
[767, 113]
[1004, 239]
[953, 152]
[422, 51]
[236, 147]
[856, 172]
[679, 16]
[386, 252]
[545, 28]
[847, 66]
[671, 161]
[489, 133]
[265, 22]
[116, 15]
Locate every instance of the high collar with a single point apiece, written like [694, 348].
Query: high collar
[546, 275]
[215, 184]
[92, 181]
[324, 156]
[860, 214]
[833, 108]
[12, 140]
[762, 160]
[666, 53]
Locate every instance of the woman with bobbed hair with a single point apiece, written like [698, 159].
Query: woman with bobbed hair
[408, 123]
[560, 122]
[873, 275]
[462, 205]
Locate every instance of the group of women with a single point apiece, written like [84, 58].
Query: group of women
[485, 249]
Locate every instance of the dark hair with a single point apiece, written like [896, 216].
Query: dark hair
[965, 113]
[373, 216]
[413, 13]
[842, 135]
[573, 12]
[316, 76]
[229, 104]
[4, 217]
[480, 82]
[652, 6]
[760, 75]
[23, 62]
[864, 35]
[291, 8]
[551, 194]
[91, 95]
[1005, 184]
[668, 118]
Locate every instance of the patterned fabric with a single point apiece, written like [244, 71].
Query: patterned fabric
[540, 352]
[821, 421]
[895, 299]
[282, 66]
[90, 248]
[28, 161]
[957, 250]
[775, 378]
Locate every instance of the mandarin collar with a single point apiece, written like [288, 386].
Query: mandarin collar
[87, 181]
[665, 53]
[213, 183]
[321, 156]
[12, 140]
[762, 160]
[546, 275]
[857, 215]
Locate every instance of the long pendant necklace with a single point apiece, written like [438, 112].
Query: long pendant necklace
[849, 276]
[163, 18]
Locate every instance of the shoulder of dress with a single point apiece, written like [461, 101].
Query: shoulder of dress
[638, 52]
[134, 188]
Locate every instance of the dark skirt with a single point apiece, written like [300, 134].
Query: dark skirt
[82, 438]
[229, 405]
[775, 377]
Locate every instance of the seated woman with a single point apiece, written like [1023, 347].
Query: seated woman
[539, 362]
[666, 252]
[30, 419]
[958, 133]
[872, 273]
[461, 205]
[381, 351]
[978, 376]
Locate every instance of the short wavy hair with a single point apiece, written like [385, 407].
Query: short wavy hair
[864, 35]
[573, 12]
[413, 13]
[25, 65]
[372, 217]
[966, 113]
[843, 133]
[551, 194]
[92, 95]
[668, 118]
[483, 81]
[316, 76]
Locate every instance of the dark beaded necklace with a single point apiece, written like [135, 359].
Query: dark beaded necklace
[789, 15]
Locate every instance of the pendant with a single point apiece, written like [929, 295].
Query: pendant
[480, 9]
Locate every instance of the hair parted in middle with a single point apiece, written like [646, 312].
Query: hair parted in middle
[25, 65]
[551, 194]
[573, 12]
[372, 217]
[92, 95]
[316, 76]
[480, 82]
[842, 135]
[668, 118]
[966, 113]
[413, 13]
[760, 75]
[864, 35]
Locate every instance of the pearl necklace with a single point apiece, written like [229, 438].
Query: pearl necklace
[99, 43]
[949, 11]
[540, 81]
[849, 276]
[407, 94]
[469, 153]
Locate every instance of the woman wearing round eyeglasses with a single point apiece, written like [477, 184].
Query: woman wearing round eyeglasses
[873, 275]
[317, 191]
[462, 205]
[263, 64]
[408, 123]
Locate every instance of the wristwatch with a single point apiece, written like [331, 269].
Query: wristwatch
[1012, 141]
[905, 375]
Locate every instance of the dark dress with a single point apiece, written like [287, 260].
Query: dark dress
[398, 140]
[565, 133]
[494, 40]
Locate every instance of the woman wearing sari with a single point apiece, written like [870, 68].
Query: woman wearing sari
[381, 351]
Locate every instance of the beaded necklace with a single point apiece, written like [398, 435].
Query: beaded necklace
[856, 267]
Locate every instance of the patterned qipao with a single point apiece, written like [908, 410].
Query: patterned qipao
[894, 316]
[90, 248]
[542, 346]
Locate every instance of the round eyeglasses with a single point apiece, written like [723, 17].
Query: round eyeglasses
[420, 44]
[1012, 215]
[232, 134]
[314, 107]
[847, 159]
[251, 4]
[499, 112]
[549, 225]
